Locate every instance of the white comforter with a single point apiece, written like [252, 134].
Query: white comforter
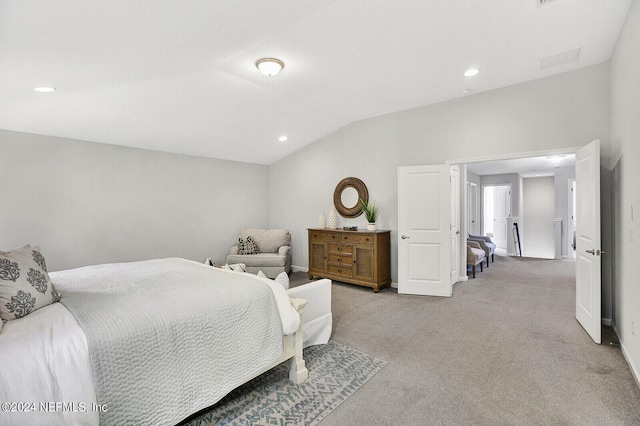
[45, 368]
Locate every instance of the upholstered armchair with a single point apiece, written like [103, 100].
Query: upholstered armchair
[486, 244]
[475, 256]
[271, 254]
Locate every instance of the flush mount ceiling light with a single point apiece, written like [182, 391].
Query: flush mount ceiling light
[283, 138]
[269, 66]
[556, 159]
[471, 72]
[45, 89]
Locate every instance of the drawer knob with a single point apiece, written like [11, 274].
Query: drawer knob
[339, 248]
[339, 270]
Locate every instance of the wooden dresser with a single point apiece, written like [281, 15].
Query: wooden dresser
[356, 257]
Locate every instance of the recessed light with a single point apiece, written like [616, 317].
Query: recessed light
[283, 138]
[269, 66]
[471, 72]
[45, 89]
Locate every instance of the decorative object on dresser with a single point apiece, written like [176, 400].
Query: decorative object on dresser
[346, 197]
[356, 257]
[322, 221]
[370, 209]
[332, 221]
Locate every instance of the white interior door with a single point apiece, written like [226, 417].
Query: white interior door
[455, 221]
[424, 230]
[588, 259]
[472, 204]
[501, 211]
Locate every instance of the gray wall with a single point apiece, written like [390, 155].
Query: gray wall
[625, 196]
[87, 203]
[538, 195]
[565, 110]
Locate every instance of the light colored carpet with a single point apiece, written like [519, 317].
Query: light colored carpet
[504, 350]
[335, 373]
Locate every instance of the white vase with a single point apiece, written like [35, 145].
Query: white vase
[321, 221]
[332, 220]
[371, 227]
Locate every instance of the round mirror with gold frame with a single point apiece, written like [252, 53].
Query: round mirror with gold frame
[347, 195]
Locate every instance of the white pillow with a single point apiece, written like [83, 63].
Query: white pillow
[239, 267]
[227, 267]
[283, 279]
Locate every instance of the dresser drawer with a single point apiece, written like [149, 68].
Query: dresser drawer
[357, 238]
[320, 236]
[339, 248]
[344, 271]
[343, 259]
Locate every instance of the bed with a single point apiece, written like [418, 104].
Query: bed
[147, 342]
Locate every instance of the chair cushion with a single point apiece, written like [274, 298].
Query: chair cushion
[267, 240]
[261, 259]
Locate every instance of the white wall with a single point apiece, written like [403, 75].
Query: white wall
[565, 110]
[538, 230]
[87, 203]
[625, 105]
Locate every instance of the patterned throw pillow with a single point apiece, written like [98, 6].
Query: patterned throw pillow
[24, 283]
[247, 246]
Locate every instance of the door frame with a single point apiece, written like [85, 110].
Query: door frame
[571, 251]
[474, 188]
[483, 231]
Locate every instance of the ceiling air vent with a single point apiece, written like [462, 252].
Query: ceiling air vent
[544, 2]
[561, 58]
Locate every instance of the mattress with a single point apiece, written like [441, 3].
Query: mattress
[49, 377]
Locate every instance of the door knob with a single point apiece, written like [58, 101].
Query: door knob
[593, 252]
[404, 237]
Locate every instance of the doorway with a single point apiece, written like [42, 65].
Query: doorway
[496, 213]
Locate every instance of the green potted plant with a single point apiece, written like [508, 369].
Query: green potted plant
[370, 209]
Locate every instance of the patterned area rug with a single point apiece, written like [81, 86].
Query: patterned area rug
[335, 373]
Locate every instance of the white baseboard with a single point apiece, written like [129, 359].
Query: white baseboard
[394, 285]
[634, 371]
[465, 278]
[295, 268]
[607, 321]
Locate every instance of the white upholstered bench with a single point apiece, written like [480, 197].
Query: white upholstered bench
[316, 317]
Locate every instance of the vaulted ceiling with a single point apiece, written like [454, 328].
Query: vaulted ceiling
[180, 76]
